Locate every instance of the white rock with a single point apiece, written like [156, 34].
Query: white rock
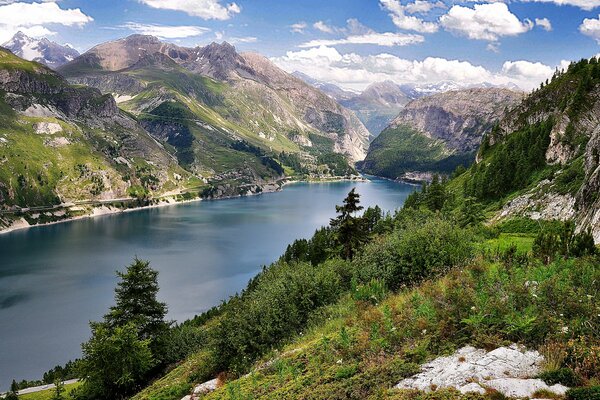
[47, 128]
[469, 366]
[472, 388]
[515, 387]
[206, 387]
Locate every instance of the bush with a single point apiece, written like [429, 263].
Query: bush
[564, 376]
[588, 393]
[413, 254]
[281, 301]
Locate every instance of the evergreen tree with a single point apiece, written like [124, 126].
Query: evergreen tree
[348, 227]
[59, 390]
[136, 301]
[12, 393]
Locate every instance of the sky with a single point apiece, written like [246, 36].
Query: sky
[351, 43]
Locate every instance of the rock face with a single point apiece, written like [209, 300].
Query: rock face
[509, 370]
[256, 91]
[458, 118]
[41, 50]
[437, 133]
[378, 104]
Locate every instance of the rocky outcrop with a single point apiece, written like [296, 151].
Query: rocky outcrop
[458, 118]
[508, 370]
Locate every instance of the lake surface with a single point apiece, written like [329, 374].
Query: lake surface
[55, 279]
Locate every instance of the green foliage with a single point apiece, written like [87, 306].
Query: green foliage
[116, 362]
[278, 305]
[561, 240]
[373, 291]
[414, 253]
[349, 233]
[564, 376]
[588, 393]
[510, 163]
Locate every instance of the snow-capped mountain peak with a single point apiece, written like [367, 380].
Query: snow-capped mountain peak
[40, 50]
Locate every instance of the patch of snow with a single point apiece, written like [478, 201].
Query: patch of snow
[120, 98]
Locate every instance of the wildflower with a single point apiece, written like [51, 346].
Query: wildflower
[473, 308]
[339, 361]
[424, 331]
[565, 329]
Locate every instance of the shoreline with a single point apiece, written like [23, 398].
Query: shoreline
[104, 210]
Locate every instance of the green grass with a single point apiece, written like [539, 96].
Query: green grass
[522, 242]
[47, 394]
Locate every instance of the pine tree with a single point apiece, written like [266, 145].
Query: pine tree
[349, 232]
[136, 301]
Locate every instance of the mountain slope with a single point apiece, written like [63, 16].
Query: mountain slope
[243, 95]
[542, 161]
[41, 50]
[62, 144]
[437, 133]
[377, 105]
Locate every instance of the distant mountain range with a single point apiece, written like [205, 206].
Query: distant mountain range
[41, 50]
[381, 102]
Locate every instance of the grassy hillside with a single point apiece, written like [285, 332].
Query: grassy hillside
[401, 149]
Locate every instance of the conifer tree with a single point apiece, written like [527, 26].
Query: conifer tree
[349, 229]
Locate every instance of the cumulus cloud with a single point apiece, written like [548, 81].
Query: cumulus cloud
[397, 12]
[33, 18]
[544, 23]
[355, 71]
[423, 6]
[205, 9]
[484, 22]
[584, 4]
[166, 32]
[380, 39]
[591, 27]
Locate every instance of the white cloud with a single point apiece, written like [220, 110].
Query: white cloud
[354, 71]
[397, 12]
[205, 9]
[166, 32]
[527, 71]
[544, 23]
[32, 18]
[423, 6]
[298, 27]
[484, 22]
[381, 39]
[591, 27]
[323, 27]
[584, 4]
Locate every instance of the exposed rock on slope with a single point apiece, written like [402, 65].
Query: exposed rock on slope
[439, 132]
[377, 105]
[41, 50]
[509, 370]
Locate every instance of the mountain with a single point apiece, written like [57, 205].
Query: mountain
[241, 96]
[41, 50]
[542, 162]
[63, 144]
[377, 105]
[437, 133]
[329, 89]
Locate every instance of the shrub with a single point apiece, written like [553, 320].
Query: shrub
[415, 253]
[564, 376]
[587, 393]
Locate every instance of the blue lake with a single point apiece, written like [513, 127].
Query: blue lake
[55, 279]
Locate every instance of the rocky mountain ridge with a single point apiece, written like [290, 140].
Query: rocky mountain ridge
[292, 105]
[437, 133]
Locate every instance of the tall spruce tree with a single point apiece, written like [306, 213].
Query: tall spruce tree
[349, 227]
